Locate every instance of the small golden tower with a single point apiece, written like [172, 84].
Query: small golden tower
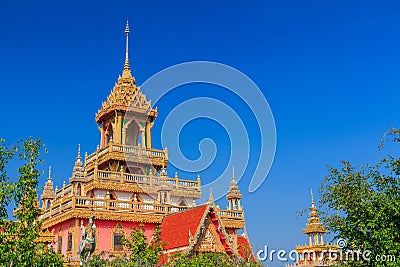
[316, 253]
[314, 228]
[234, 196]
[48, 192]
[78, 174]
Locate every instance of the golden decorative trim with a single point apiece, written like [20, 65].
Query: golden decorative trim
[46, 237]
[104, 215]
[235, 224]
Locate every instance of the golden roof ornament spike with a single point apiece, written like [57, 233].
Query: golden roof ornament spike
[127, 32]
[79, 152]
[49, 178]
[210, 198]
[233, 181]
[312, 199]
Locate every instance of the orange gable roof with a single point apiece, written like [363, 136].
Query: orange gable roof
[175, 228]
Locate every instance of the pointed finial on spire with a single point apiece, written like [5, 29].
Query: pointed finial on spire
[127, 32]
[233, 180]
[79, 152]
[312, 199]
[49, 178]
[210, 198]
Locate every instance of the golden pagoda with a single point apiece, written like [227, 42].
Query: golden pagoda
[317, 253]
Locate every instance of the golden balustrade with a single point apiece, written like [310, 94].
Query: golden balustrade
[88, 203]
[129, 153]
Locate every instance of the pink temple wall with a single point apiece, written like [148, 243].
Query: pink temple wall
[104, 229]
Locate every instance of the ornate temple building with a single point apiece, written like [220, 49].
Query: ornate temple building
[316, 253]
[124, 184]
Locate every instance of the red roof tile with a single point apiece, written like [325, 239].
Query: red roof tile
[175, 228]
[244, 248]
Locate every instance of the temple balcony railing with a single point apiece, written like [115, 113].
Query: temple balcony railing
[88, 203]
[232, 214]
[141, 179]
[232, 218]
[65, 190]
[128, 153]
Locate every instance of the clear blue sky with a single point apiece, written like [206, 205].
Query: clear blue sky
[329, 70]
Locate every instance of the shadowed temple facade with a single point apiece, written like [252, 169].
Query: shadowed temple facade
[124, 184]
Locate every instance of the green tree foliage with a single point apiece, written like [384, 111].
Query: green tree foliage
[209, 260]
[363, 207]
[18, 237]
[140, 251]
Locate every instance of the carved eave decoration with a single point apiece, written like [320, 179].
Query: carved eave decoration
[125, 96]
[46, 236]
[199, 242]
[235, 224]
[314, 224]
[103, 215]
[234, 194]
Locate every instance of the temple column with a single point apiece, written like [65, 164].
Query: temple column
[102, 137]
[123, 136]
[143, 138]
[148, 134]
[76, 240]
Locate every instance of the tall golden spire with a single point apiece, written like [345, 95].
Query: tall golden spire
[79, 152]
[126, 73]
[127, 32]
[49, 178]
[312, 199]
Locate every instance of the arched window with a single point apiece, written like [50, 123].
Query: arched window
[117, 237]
[59, 245]
[69, 242]
[132, 134]
[108, 134]
[78, 190]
